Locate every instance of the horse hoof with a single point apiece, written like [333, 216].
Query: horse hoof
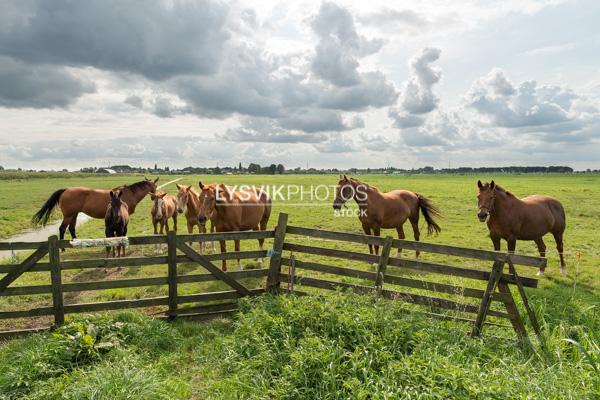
[540, 273]
[563, 270]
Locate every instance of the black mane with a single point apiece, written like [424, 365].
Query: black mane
[135, 187]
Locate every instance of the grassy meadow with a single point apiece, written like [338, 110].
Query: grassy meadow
[337, 346]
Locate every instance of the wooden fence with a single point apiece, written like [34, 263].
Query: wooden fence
[288, 257]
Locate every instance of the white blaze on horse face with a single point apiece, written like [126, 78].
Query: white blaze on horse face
[159, 207]
[181, 201]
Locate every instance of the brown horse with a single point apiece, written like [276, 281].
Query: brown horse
[92, 202]
[386, 210]
[231, 211]
[164, 207]
[116, 219]
[529, 218]
[187, 199]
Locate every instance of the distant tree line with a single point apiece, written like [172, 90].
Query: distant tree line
[279, 169]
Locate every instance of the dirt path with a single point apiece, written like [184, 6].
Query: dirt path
[38, 235]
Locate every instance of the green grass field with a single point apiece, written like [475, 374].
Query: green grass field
[257, 356]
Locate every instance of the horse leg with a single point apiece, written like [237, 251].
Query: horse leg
[368, 232]
[496, 242]
[202, 229]
[376, 232]
[155, 224]
[124, 233]
[261, 242]
[237, 248]
[417, 233]
[512, 245]
[401, 236]
[559, 246]
[542, 249]
[175, 223]
[223, 250]
[72, 226]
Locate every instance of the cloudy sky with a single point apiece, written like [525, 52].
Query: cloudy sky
[328, 84]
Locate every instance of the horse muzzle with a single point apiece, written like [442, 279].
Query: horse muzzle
[482, 215]
[180, 210]
[202, 219]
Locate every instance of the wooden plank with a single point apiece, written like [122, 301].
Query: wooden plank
[23, 267]
[15, 334]
[396, 280]
[530, 313]
[330, 269]
[406, 263]
[513, 311]
[249, 273]
[322, 251]
[484, 306]
[188, 251]
[8, 246]
[32, 312]
[56, 280]
[117, 304]
[238, 235]
[333, 235]
[206, 316]
[456, 318]
[228, 306]
[382, 263]
[486, 255]
[273, 282]
[225, 295]
[456, 271]
[128, 283]
[172, 271]
[395, 295]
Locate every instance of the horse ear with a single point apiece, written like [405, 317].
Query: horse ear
[161, 195]
[345, 178]
[120, 194]
[178, 186]
[200, 184]
[112, 194]
[146, 178]
[479, 184]
[157, 178]
[492, 185]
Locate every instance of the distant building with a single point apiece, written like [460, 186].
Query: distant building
[105, 171]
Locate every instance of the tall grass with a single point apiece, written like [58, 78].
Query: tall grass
[338, 346]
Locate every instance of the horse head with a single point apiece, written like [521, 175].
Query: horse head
[485, 199]
[210, 197]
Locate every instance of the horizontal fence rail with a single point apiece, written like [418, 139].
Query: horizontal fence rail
[422, 290]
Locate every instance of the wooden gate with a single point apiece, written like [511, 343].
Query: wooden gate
[299, 264]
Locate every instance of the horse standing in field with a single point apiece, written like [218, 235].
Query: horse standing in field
[231, 211]
[187, 199]
[92, 202]
[529, 218]
[116, 219]
[164, 207]
[387, 210]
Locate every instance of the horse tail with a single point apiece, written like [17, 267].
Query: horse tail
[267, 213]
[429, 211]
[42, 216]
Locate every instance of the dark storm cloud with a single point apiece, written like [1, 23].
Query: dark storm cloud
[39, 86]
[155, 39]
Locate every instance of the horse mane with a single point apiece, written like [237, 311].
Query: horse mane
[135, 187]
[501, 189]
[364, 183]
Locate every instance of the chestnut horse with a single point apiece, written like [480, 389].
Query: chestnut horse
[187, 199]
[231, 211]
[386, 210]
[529, 218]
[164, 207]
[116, 219]
[92, 202]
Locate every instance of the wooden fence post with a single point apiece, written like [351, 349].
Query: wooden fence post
[172, 272]
[55, 278]
[273, 279]
[484, 306]
[382, 264]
